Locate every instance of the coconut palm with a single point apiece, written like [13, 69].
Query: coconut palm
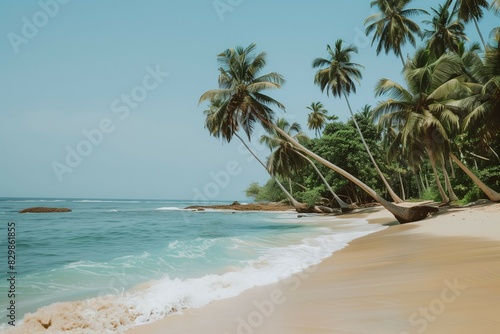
[337, 74]
[472, 10]
[419, 112]
[447, 31]
[495, 6]
[240, 91]
[484, 104]
[243, 104]
[392, 26]
[285, 160]
[492, 195]
[316, 120]
[213, 126]
[402, 214]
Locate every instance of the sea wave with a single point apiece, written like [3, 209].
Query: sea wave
[34, 200]
[157, 299]
[172, 208]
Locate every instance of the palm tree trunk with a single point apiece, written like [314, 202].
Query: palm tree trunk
[495, 153]
[402, 214]
[402, 59]
[452, 169]
[492, 195]
[419, 186]
[480, 34]
[402, 187]
[442, 193]
[300, 207]
[451, 193]
[395, 197]
[343, 205]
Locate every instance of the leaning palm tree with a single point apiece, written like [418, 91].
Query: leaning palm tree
[214, 128]
[423, 115]
[240, 91]
[447, 32]
[285, 160]
[472, 10]
[337, 74]
[316, 120]
[243, 104]
[419, 111]
[392, 26]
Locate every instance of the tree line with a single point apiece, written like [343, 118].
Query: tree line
[435, 134]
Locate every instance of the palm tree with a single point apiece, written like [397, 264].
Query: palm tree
[402, 214]
[243, 104]
[419, 112]
[285, 160]
[392, 26]
[472, 10]
[447, 32]
[484, 104]
[316, 119]
[495, 6]
[240, 92]
[337, 75]
[492, 195]
[214, 128]
[423, 115]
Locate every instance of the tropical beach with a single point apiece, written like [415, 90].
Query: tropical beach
[437, 276]
[325, 167]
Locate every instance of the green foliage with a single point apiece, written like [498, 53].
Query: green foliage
[431, 194]
[270, 192]
[253, 190]
[310, 197]
[341, 145]
[472, 195]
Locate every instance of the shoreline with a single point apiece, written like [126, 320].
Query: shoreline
[439, 275]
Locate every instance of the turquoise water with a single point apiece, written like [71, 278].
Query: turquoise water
[154, 257]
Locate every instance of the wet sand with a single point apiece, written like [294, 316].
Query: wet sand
[440, 275]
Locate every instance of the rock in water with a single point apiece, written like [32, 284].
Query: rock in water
[40, 209]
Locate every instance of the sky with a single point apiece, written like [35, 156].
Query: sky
[100, 98]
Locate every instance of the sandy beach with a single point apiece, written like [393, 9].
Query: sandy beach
[440, 275]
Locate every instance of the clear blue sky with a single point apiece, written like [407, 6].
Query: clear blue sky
[71, 71]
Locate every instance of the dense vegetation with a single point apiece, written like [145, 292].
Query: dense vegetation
[432, 136]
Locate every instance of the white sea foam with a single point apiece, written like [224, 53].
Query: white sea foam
[158, 298]
[173, 208]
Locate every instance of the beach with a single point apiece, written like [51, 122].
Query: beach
[440, 275]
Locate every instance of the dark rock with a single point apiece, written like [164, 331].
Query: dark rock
[40, 209]
[236, 203]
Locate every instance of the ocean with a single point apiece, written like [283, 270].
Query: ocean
[119, 263]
